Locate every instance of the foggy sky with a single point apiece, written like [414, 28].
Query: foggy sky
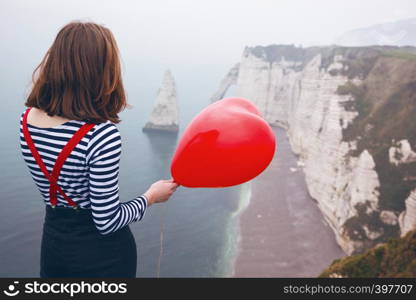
[180, 30]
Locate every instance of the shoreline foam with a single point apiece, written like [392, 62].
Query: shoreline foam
[281, 234]
[233, 234]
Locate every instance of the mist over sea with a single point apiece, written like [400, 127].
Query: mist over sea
[200, 226]
[194, 221]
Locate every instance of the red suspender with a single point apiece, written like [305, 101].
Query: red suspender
[63, 155]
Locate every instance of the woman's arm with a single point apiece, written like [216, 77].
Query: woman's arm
[160, 191]
[103, 157]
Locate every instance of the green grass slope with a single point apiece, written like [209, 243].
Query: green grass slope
[396, 258]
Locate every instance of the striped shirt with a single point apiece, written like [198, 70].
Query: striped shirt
[89, 175]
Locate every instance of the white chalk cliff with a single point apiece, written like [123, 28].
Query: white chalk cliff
[229, 80]
[298, 90]
[402, 153]
[165, 114]
[407, 218]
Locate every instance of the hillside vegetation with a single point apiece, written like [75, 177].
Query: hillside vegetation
[396, 258]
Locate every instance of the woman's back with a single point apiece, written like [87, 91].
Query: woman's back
[49, 143]
[89, 176]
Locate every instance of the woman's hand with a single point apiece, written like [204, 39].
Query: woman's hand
[160, 191]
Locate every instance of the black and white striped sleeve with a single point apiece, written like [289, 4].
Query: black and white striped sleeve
[103, 157]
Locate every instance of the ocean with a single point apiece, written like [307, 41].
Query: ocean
[200, 227]
[194, 220]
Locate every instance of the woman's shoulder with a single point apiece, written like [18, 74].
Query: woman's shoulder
[103, 135]
[105, 126]
[104, 132]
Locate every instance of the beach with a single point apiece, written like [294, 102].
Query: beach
[282, 231]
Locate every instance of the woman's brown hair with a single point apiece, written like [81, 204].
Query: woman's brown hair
[80, 76]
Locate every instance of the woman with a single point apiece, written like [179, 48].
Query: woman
[72, 147]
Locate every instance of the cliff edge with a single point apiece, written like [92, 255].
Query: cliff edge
[350, 116]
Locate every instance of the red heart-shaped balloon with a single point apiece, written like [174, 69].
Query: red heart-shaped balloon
[226, 144]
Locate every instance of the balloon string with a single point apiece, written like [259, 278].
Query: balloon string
[161, 241]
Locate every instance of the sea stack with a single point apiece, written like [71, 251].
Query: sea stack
[165, 116]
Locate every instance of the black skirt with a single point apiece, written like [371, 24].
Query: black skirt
[73, 247]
